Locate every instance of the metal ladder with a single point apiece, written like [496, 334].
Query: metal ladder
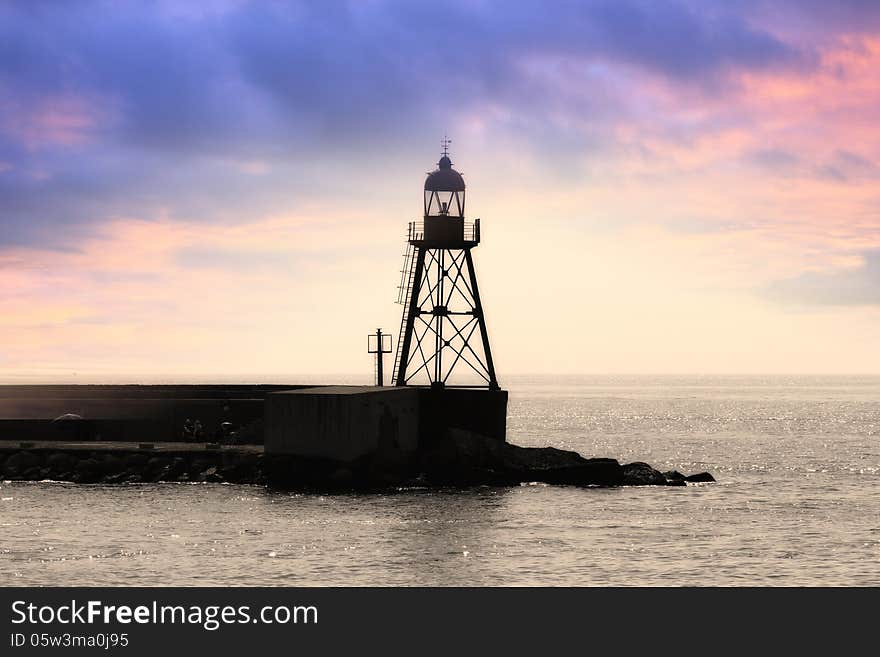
[404, 293]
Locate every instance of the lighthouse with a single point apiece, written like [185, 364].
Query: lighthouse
[444, 388]
[443, 337]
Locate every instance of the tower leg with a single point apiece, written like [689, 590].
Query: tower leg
[438, 320]
[478, 311]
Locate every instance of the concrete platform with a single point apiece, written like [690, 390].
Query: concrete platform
[472, 409]
[342, 423]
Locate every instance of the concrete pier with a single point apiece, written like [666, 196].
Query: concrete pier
[342, 423]
[131, 413]
[134, 412]
[351, 437]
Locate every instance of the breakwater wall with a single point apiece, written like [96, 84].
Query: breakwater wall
[461, 460]
[195, 413]
[292, 437]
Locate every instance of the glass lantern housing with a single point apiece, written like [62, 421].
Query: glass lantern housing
[442, 203]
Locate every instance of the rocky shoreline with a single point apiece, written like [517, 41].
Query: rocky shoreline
[120, 466]
[462, 459]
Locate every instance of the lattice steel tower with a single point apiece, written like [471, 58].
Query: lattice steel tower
[443, 328]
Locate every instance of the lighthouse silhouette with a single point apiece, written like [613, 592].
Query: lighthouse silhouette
[445, 394]
[443, 338]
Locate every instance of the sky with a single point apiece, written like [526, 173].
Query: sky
[221, 189]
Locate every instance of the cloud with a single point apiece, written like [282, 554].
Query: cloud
[846, 166]
[120, 109]
[854, 286]
[840, 166]
[817, 19]
[773, 159]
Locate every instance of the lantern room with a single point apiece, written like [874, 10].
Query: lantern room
[444, 191]
[444, 204]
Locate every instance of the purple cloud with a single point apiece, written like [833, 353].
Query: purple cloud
[173, 95]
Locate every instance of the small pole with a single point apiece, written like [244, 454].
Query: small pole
[380, 352]
[380, 359]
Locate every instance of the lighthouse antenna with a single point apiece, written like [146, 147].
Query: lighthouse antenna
[445, 144]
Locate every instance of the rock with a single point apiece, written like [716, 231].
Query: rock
[17, 464]
[642, 474]
[700, 478]
[168, 469]
[32, 474]
[162, 474]
[673, 475]
[132, 477]
[674, 478]
[88, 471]
[211, 475]
[165, 473]
[199, 464]
[111, 465]
[118, 478]
[61, 463]
[156, 463]
[466, 458]
[242, 469]
[556, 466]
[135, 459]
[538, 458]
[156, 468]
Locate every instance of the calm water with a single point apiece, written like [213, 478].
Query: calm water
[798, 502]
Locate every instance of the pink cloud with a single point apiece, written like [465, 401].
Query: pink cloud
[61, 119]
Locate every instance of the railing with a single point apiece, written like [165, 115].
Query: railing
[416, 232]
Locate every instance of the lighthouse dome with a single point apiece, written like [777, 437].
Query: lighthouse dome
[444, 178]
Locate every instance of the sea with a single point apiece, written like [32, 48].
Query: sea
[797, 502]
